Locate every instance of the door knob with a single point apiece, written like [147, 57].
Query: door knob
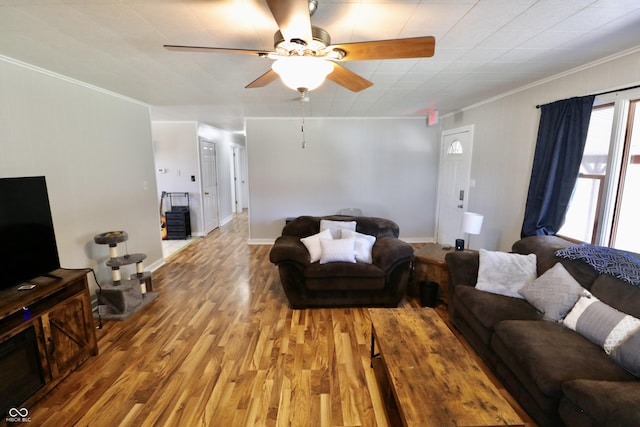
[460, 206]
[206, 193]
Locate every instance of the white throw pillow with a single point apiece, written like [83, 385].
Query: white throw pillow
[505, 273]
[363, 245]
[336, 226]
[339, 250]
[312, 243]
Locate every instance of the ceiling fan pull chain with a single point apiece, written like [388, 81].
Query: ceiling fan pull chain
[304, 142]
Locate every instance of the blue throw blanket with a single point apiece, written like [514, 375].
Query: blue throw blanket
[619, 264]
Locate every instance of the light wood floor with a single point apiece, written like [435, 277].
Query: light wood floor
[220, 347]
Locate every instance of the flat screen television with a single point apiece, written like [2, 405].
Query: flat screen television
[27, 240]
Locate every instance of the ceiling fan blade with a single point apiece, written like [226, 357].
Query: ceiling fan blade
[216, 50]
[293, 19]
[347, 78]
[416, 47]
[263, 80]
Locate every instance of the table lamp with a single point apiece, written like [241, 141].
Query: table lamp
[471, 224]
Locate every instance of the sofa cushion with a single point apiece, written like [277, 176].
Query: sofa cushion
[304, 226]
[488, 309]
[553, 293]
[600, 323]
[505, 273]
[343, 276]
[615, 262]
[337, 250]
[312, 243]
[335, 227]
[607, 403]
[543, 355]
[545, 248]
[617, 293]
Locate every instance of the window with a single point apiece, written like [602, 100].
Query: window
[455, 148]
[582, 216]
[604, 207]
[626, 231]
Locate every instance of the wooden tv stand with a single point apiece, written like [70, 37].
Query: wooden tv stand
[60, 312]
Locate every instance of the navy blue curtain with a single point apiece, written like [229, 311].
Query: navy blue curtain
[562, 134]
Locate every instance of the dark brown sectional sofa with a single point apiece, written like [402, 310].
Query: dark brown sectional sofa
[556, 374]
[383, 282]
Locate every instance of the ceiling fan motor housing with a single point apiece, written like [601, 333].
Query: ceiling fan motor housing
[321, 39]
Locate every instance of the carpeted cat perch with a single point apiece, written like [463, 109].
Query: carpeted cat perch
[121, 298]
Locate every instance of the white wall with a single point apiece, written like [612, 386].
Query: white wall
[175, 146]
[176, 150]
[505, 136]
[386, 167]
[94, 148]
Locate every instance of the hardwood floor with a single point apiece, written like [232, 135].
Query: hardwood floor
[220, 347]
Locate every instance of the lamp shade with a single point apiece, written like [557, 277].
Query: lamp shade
[302, 72]
[472, 223]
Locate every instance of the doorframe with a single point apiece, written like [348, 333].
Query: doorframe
[444, 134]
[217, 197]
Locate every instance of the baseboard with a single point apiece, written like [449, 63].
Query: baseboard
[156, 265]
[226, 220]
[261, 241]
[418, 239]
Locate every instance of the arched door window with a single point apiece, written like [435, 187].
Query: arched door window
[455, 148]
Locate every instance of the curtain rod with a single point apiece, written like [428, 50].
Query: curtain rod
[608, 91]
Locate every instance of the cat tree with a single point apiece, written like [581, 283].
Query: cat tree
[122, 297]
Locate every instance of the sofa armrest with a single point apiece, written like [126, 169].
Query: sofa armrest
[463, 268]
[389, 251]
[289, 249]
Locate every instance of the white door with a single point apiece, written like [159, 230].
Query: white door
[453, 188]
[209, 185]
[237, 180]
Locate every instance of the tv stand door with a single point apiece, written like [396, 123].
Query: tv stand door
[67, 336]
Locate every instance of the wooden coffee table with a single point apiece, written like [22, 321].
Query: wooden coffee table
[431, 377]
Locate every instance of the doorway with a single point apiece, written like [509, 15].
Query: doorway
[453, 184]
[209, 185]
[239, 179]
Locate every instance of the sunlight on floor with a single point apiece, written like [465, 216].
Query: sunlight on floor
[170, 247]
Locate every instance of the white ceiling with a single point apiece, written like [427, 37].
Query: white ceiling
[483, 48]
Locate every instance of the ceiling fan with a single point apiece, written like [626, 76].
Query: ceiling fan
[303, 51]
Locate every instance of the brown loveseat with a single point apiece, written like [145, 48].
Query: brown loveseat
[383, 282]
[556, 374]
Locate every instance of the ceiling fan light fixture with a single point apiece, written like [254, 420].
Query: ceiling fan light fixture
[302, 72]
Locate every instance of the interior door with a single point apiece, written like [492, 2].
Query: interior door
[209, 185]
[237, 180]
[453, 189]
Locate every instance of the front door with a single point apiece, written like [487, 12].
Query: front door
[453, 188]
[209, 185]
